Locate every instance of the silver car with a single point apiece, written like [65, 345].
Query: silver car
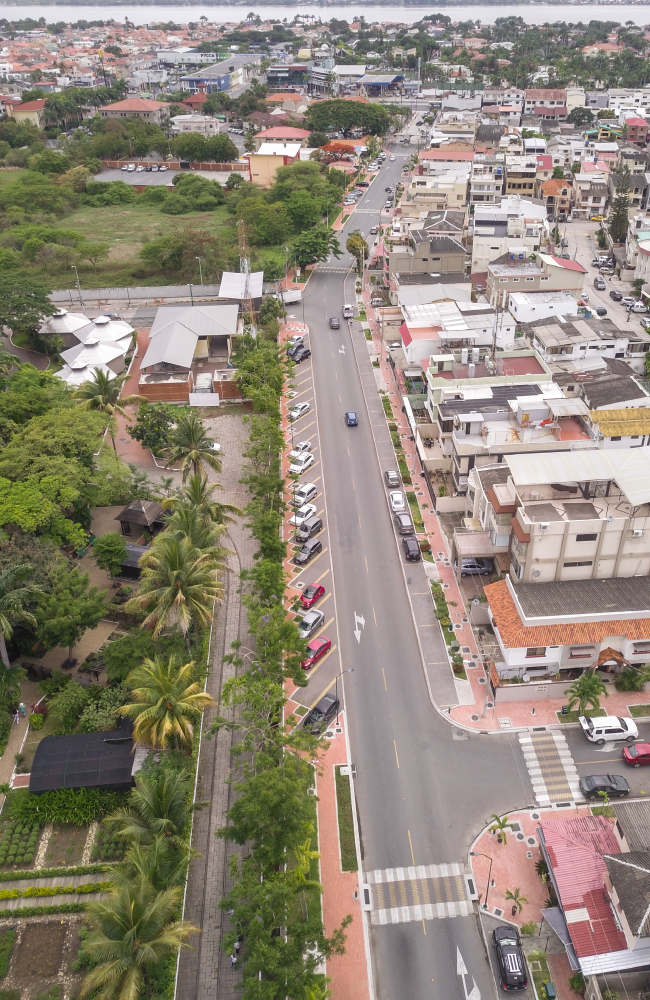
[311, 621]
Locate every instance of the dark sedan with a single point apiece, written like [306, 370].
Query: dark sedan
[351, 419]
[597, 786]
[334, 323]
[616, 295]
[411, 548]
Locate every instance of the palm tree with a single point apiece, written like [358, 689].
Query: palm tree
[500, 826]
[14, 596]
[159, 862]
[167, 702]
[103, 394]
[585, 692]
[517, 899]
[199, 493]
[191, 446]
[133, 930]
[178, 585]
[186, 522]
[10, 679]
[158, 808]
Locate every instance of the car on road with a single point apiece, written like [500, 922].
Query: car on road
[348, 311]
[307, 510]
[606, 270]
[595, 786]
[307, 551]
[311, 594]
[309, 623]
[404, 523]
[599, 284]
[596, 218]
[565, 242]
[474, 567]
[303, 494]
[299, 448]
[335, 323]
[616, 295]
[392, 478]
[397, 502]
[411, 548]
[351, 419]
[392, 159]
[645, 322]
[601, 311]
[510, 958]
[608, 728]
[300, 354]
[315, 649]
[299, 410]
[637, 755]
[301, 463]
[374, 230]
[320, 716]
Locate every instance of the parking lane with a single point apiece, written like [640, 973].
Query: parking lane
[589, 759]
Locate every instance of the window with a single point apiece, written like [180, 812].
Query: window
[530, 279]
[503, 281]
[572, 565]
[544, 279]
[618, 438]
[591, 537]
[534, 651]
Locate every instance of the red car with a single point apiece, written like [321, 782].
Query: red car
[637, 754]
[315, 649]
[311, 594]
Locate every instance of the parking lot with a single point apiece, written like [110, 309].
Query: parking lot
[584, 248]
[591, 759]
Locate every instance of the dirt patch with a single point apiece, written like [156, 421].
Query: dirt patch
[66, 846]
[39, 954]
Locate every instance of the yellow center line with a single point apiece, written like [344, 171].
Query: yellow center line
[384, 676]
[396, 757]
[411, 846]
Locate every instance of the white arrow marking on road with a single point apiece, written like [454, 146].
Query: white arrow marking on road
[475, 994]
[461, 971]
[342, 349]
[460, 964]
[358, 620]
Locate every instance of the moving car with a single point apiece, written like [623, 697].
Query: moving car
[301, 462]
[612, 785]
[374, 230]
[601, 311]
[599, 284]
[411, 549]
[322, 714]
[397, 502]
[392, 478]
[309, 623]
[474, 567]
[307, 510]
[335, 323]
[299, 410]
[303, 494]
[609, 728]
[616, 295]
[510, 958]
[300, 354]
[404, 524]
[637, 755]
[351, 419]
[606, 270]
[348, 311]
[307, 551]
[315, 649]
[311, 594]
[392, 158]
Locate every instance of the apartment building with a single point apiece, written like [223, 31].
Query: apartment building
[514, 272]
[458, 125]
[155, 112]
[420, 289]
[577, 339]
[592, 194]
[550, 105]
[446, 189]
[424, 254]
[502, 96]
[440, 328]
[638, 230]
[202, 124]
[234, 71]
[492, 235]
[487, 179]
[527, 307]
[521, 172]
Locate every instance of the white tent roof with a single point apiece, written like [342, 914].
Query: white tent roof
[232, 285]
[204, 321]
[77, 376]
[106, 330]
[630, 467]
[65, 322]
[91, 353]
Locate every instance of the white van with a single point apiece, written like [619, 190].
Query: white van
[348, 312]
[608, 729]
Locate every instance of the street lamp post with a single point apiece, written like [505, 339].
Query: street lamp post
[200, 270]
[478, 854]
[74, 268]
[350, 670]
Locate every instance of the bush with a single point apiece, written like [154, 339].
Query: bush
[36, 720]
[63, 806]
[577, 983]
[529, 928]
[630, 680]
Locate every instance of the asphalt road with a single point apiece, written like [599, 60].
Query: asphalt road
[422, 793]
[590, 759]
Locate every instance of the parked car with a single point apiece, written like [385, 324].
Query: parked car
[319, 718]
[348, 311]
[300, 354]
[293, 343]
[163, 166]
[303, 494]
[309, 623]
[565, 256]
[608, 729]
[315, 650]
[307, 510]
[154, 168]
[637, 755]
[374, 230]
[474, 567]
[309, 528]
[392, 478]
[140, 168]
[411, 549]
[307, 551]
[612, 785]
[299, 448]
[645, 322]
[510, 958]
[351, 419]
[606, 270]
[596, 218]
[404, 524]
[299, 410]
[599, 284]
[335, 323]
[363, 184]
[628, 300]
[397, 502]
[638, 307]
[301, 463]
[616, 295]
[311, 594]
[601, 311]
[131, 168]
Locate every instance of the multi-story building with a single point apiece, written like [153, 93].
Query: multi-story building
[494, 232]
[521, 172]
[446, 189]
[235, 71]
[574, 338]
[155, 112]
[514, 272]
[424, 254]
[282, 134]
[502, 95]
[527, 307]
[279, 77]
[439, 328]
[557, 196]
[548, 104]
[458, 125]
[487, 178]
[202, 124]
[591, 194]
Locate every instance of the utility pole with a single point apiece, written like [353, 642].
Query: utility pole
[73, 266]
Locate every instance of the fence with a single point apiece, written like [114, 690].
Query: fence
[140, 296]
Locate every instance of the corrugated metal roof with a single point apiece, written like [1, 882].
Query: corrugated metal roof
[635, 420]
[630, 467]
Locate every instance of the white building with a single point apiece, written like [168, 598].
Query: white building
[203, 124]
[527, 307]
[439, 328]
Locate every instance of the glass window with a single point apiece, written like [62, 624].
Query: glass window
[534, 651]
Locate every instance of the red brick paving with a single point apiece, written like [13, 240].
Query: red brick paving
[561, 971]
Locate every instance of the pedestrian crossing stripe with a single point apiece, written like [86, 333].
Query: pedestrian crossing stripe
[428, 911]
[417, 892]
[553, 774]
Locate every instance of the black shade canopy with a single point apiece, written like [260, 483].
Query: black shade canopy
[85, 760]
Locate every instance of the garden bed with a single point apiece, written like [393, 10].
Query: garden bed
[346, 821]
[639, 711]
[107, 847]
[41, 961]
[573, 716]
[18, 845]
[66, 846]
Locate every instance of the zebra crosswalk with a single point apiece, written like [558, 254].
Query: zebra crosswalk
[553, 774]
[419, 892]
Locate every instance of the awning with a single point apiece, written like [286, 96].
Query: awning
[568, 407]
[473, 543]
[554, 917]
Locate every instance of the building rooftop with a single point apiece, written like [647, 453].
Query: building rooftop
[283, 132]
[496, 398]
[434, 278]
[630, 875]
[134, 104]
[634, 820]
[559, 332]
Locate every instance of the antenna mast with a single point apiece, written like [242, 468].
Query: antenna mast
[245, 269]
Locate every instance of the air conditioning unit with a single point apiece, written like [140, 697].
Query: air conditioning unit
[636, 533]
[545, 525]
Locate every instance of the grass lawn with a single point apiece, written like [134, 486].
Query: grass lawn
[415, 511]
[573, 716]
[639, 711]
[346, 821]
[34, 737]
[539, 971]
[9, 176]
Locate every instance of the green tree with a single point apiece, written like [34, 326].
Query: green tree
[103, 394]
[94, 252]
[133, 931]
[580, 116]
[204, 534]
[199, 495]
[323, 116]
[358, 248]
[24, 302]
[157, 808]
[10, 686]
[68, 705]
[69, 609]
[558, 173]
[15, 597]
[178, 586]
[315, 245]
[49, 162]
[110, 552]
[153, 425]
[619, 218]
[191, 447]
[500, 826]
[517, 899]
[586, 692]
[168, 701]
[303, 210]
[606, 114]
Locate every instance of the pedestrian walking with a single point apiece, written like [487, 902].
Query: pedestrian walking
[233, 960]
[16, 717]
[22, 710]
[237, 946]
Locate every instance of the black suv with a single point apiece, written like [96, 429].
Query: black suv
[300, 354]
[411, 549]
[308, 551]
[512, 967]
[322, 714]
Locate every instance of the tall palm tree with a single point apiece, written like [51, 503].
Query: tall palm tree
[167, 702]
[178, 585]
[199, 493]
[15, 594]
[186, 522]
[133, 930]
[159, 861]
[103, 394]
[158, 808]
[191, 446]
